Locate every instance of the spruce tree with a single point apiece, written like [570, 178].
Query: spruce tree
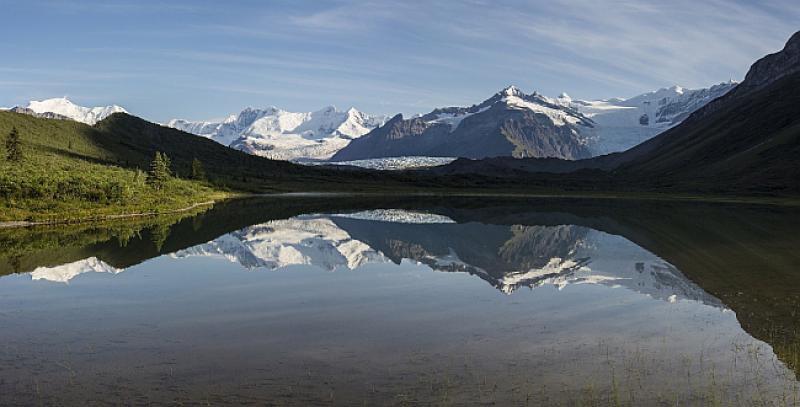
[13, 146]
[167, 164]
[198, 172]
[159, 171]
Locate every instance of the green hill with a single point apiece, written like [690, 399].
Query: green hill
[67, 173]
[75, 171]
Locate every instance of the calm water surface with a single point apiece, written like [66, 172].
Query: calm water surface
[457, 302]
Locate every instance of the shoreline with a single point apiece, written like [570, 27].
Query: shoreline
[742, 200]
[23, 223]
[633, 196]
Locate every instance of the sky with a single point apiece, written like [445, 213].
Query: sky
[208, 59]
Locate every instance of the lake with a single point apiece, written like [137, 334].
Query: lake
[336, 300]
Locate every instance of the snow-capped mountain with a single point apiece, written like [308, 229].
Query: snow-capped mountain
[283, 135]
[623, 123]
[65, 108]
[510, 123]
[548, 127]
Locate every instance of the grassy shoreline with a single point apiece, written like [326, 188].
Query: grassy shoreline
[123, 212]
[102, 218]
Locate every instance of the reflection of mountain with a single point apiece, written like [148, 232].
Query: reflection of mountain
[507, 257]
[510, 257]
[310, 240]
[66, 272]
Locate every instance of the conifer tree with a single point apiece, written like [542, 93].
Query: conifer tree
[167, 164]
[13, 146]
[159, 171]
[198, 172]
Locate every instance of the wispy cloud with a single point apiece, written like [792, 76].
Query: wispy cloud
[388, 56]
[354, 15]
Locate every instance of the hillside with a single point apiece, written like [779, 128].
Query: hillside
[747, 140]
[66, 173]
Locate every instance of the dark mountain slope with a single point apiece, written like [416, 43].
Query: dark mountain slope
[750, 143]
[133, 141]
[748, 139]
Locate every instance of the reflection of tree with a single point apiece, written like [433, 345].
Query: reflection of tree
[125, 236]
[197, 223]
[15, 263]
[159, 234]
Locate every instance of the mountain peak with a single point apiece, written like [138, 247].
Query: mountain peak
[49, 103]
[65, 107]
[511, 90]
[775, 66]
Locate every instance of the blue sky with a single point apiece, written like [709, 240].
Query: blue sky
[196, 59]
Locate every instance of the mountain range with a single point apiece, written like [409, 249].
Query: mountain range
[514, 124]
[510, 123]
[283, 135]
